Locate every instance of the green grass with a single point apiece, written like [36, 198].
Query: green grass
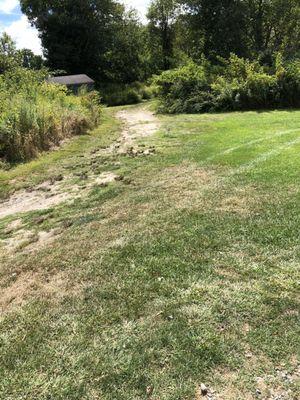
[189, 274]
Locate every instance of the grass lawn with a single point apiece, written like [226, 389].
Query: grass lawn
[186, 274]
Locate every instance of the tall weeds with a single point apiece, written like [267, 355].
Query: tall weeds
[36, 115]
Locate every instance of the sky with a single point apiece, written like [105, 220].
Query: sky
[17, 26]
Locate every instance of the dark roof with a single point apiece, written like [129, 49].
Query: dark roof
[72, 80]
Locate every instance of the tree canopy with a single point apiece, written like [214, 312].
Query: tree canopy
[102, 39]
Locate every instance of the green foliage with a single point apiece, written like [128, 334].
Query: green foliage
[35, 115]
[180, 90]
[248, 28]
[97, 37]
[31, 60]
[239, 85]
[161, 28]
[11, 58]
[118, 94]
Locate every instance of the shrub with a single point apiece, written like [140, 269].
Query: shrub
[186, 89]
[35, 115]
[239, 85]
[115, 94]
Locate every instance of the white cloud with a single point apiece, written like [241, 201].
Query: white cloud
[8, 6]
[24, 35]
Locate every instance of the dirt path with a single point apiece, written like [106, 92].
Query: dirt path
[138, 122]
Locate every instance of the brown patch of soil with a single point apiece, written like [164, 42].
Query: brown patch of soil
[28, 240]
[41, 197]
[29, 284]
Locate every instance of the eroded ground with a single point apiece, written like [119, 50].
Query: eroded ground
[158, 260]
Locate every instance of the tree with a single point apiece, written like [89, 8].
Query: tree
[75, 33]
[9, 55]
[162, 19]
[30, 60]
[125, 61]
[86, 36]
[273, 25]
[250, 28]
[218, 27]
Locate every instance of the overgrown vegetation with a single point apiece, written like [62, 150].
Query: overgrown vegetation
[122, 94]
[238, 85]
[36, 115]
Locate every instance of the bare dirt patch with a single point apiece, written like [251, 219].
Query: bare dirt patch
[139, 122]
[19, 240]
[42, 197]
[276, 385]
[43, 239]
[36, 284]
[28, 240]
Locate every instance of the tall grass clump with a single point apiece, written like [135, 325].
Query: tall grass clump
[239, 84]
[36, 115]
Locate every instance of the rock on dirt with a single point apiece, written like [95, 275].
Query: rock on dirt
[203, 389]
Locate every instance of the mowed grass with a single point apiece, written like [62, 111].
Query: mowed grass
[188, 274]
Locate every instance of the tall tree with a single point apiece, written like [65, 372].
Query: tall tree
[76, 34]
[125, 60]
[218, 26]
[251, 28]
[162, 18]
[273, 25]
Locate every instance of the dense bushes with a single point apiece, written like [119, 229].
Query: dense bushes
[35, 115]
[238, 85]
[115, 94]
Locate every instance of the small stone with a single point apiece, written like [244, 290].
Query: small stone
[203, 389]
[149, 390]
